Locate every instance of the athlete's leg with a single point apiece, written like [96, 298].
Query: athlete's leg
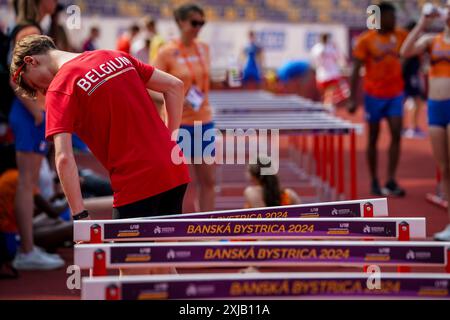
[395, 126]
[372, 155]
[28, 164]
[439, 144]
[416, 111]
[206, 182]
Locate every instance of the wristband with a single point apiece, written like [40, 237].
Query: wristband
[81, 215]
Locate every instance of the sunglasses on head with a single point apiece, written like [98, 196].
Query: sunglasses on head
[197, 23]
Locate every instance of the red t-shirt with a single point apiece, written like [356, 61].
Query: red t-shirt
[101, 96]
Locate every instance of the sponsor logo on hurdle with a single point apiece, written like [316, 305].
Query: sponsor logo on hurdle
[418, 255]
[200, 290]
[172, 254]
[162, 230]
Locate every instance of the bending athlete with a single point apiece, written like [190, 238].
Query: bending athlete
[102, 97]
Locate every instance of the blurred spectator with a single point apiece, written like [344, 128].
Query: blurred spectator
[144, 52]
[57, 31]
[188, 59]
[125, 40]
[157, 41]
[27, 120]
[48, 230]
[266, 190]
[89, 44]
[33, 10]
[149, 41]
[252, 73]
[327, 60]
[7, 92]
[414, 91]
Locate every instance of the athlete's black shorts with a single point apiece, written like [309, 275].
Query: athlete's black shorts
[166, 203]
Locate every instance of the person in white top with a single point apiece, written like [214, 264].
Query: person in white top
[327, 60]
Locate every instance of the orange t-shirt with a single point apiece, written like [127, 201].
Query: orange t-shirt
[440, 58]
[124, 44]
[8, 187]
[380, 54]
[285, 200]
[172, 58]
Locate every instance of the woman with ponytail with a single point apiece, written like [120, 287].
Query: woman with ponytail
[266, 191]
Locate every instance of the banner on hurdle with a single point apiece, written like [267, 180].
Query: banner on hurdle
[338, 209]
[272, 253]
[267, 286]
[260, 229]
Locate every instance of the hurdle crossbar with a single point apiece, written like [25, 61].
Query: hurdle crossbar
[268, 286]
[261, 253]
[339, 209]
[259, 229]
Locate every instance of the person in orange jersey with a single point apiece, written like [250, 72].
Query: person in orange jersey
[379, 52]
[188, 59]
[438, 47]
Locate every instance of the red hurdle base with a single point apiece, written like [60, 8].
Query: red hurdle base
[112, 293]
[447, 267]
[403, 235]
[96, 234]
[99, 263]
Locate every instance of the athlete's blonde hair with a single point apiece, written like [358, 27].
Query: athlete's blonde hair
[28, 46]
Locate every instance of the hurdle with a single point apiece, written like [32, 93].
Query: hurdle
[268, 286]
[97, 231]
[101, 257]
[236, 102]
[265, 111]
[365, 208]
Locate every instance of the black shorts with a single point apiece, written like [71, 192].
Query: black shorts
[166, 203]
[412, 86]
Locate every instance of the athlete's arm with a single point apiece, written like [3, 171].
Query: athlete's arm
[415, 44]
[68, 171]
[172, 89]
[354, 82]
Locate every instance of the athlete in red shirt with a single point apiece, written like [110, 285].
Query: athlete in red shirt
[102, 97]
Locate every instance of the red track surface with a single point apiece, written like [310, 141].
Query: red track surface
[416, 174]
